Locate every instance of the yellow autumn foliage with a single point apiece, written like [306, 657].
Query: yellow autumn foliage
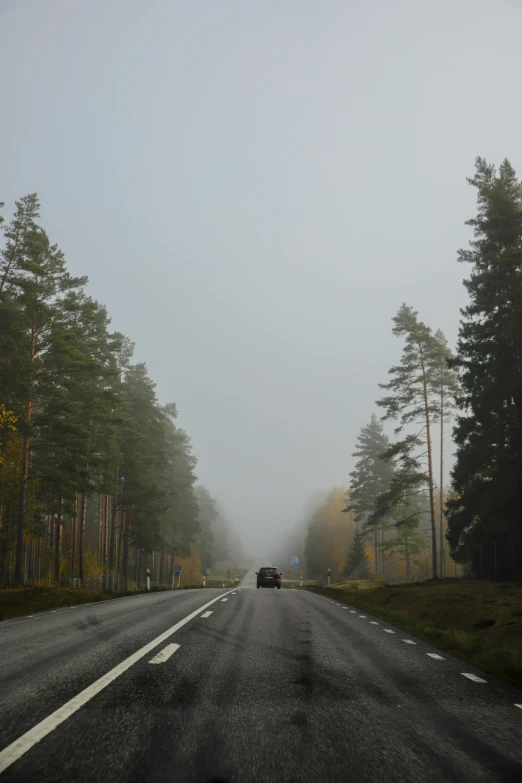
[191, 567]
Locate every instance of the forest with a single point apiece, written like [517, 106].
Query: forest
[97, 481]
[397, 518]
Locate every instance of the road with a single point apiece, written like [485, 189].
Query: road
[267, 685]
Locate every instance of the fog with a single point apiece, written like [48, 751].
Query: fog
[253, 189]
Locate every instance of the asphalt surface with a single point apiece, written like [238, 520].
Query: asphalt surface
[273, 685]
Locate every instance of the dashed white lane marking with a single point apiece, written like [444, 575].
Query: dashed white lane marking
[362, 616]
[19, 747]
[353, 611]
[224, 599]
[29, 616]
[409, 641]
[338, 604]
[206, 614]
[437, 657]
[232, 593]
[519, 705]
[373, 622]
[473, 677]
[345, 607]
[388, 630]
[165, 654]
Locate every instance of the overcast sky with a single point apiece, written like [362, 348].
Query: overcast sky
[253, 188]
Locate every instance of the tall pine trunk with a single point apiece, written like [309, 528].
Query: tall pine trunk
[121, 537]
[58, 548]
[74, 522]
[19, 563]
[114, 517]
[126, 545]
[81, 538]
[105, 539]
[430, 471]
[442, 563]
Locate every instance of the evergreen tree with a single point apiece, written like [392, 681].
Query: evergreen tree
[408, 541]
[357, 564]
[369, 479]
[35, 284]
[207, 514]
[445, 389]
[484, 510]
[410, 400]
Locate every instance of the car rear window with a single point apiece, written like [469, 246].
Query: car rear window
[268, 570]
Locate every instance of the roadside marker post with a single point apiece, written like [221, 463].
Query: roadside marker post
[148, 578]
[329, 576]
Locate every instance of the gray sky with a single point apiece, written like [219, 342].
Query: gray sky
[253, 188]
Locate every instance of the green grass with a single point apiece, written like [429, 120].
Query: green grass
[481, 623]
[19, 601]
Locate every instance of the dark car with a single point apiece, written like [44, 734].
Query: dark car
[269, 577]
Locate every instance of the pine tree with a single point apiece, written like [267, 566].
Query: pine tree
[410, 401]
[357, 564]
[207, 513]
[484, 512]
[34, 284]
[369, 479]
[445, 389]
[408, 541]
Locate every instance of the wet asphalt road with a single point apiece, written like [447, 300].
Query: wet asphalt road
[273, 685]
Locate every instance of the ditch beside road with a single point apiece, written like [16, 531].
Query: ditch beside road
[479, 622]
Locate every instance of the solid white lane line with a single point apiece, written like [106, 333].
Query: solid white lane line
[409, 641]
[19, 747]
[373, 622]
[206, 614]
[437, 657]
[388, 630]
[473, 677]
[224, 599]
[165, 654]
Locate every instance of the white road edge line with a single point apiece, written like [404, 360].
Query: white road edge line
[206, 614]
[473, 677]
[437, 657]
[19, 747]
[409, 641]
[165, 654]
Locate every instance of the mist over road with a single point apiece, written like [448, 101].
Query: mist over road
[244, 685]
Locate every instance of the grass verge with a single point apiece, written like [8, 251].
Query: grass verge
[480, 623]
[21, 601]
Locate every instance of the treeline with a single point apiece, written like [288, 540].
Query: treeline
[398, 510]
[97, 482]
